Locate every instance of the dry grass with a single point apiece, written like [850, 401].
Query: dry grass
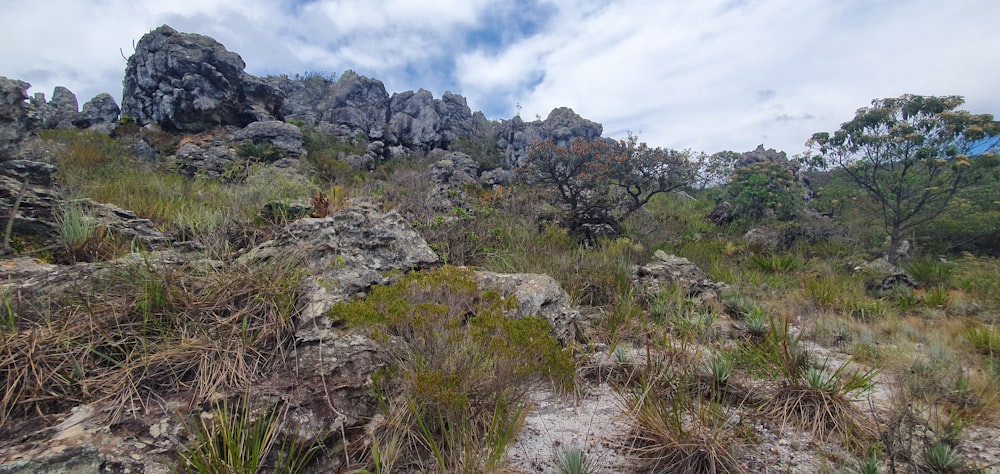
[147, 328]
[673, 428]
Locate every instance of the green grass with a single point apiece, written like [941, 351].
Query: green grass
[234, 439]
[95, 166]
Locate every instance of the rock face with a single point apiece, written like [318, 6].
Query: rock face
[449, 176]
[17, 118]
[60, 112]
[562, 126]
[32, 184]
[190, 82]
[343, 254]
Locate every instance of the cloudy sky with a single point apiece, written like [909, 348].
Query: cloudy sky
[703, 74]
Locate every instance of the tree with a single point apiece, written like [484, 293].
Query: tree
[600, 183]
[910, 154]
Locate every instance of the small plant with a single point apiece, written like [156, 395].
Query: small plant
[758, 323]
[984, 339]
[675, 431]
[819, 401]
[232, 439]
[936, 297]
[572, 460]
[867, 310]
[941, 457]
[929, 272]
[262, 152]
[869, 464]
[8, 311]
[78, 232]
[776, 263]
[738, 305]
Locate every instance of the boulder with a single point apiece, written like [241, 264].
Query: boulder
[665, 271]
[184, 81]
[285, 136]
[102, 109]
[496, 177]
[538, 295]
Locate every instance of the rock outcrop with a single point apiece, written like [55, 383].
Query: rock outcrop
[562, 126]
[191, 82]
[102, 109]
[60, 112]
[666, 270]
[538, 295]
[17, 117]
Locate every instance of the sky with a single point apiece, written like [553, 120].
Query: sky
[707, 75]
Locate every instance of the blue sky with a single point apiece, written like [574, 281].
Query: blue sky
[708, 75]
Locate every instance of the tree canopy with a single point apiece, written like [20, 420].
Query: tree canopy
[600, 183]
[910, 154]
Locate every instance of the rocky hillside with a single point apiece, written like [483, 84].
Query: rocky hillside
[298, 274]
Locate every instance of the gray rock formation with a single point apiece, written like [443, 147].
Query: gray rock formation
[284, 136]
[184, 81]
[418, 121]
[538, 295]
[17, 116]
[352, 105]
[357, 105]
[60, 112]
[449, 176]
[665, 271]
[102, 109]
[562, 126]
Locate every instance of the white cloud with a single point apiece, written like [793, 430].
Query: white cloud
[710, 75]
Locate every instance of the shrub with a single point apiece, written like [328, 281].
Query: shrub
[461, 367]
[765, 189]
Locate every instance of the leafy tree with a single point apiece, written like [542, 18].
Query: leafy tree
[716, 168]
[603, 182]
[910, 154]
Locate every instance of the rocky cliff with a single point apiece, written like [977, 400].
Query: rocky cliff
[190, 83]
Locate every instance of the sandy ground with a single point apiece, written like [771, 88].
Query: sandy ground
[591, 422]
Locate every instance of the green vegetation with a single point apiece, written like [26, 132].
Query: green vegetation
[765, 189]
[461, 368]
[600, 183]
[452, 396]
[911, 155]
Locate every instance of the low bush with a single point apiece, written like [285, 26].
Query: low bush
[455, 393]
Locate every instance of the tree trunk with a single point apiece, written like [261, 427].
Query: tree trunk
[892, 254]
